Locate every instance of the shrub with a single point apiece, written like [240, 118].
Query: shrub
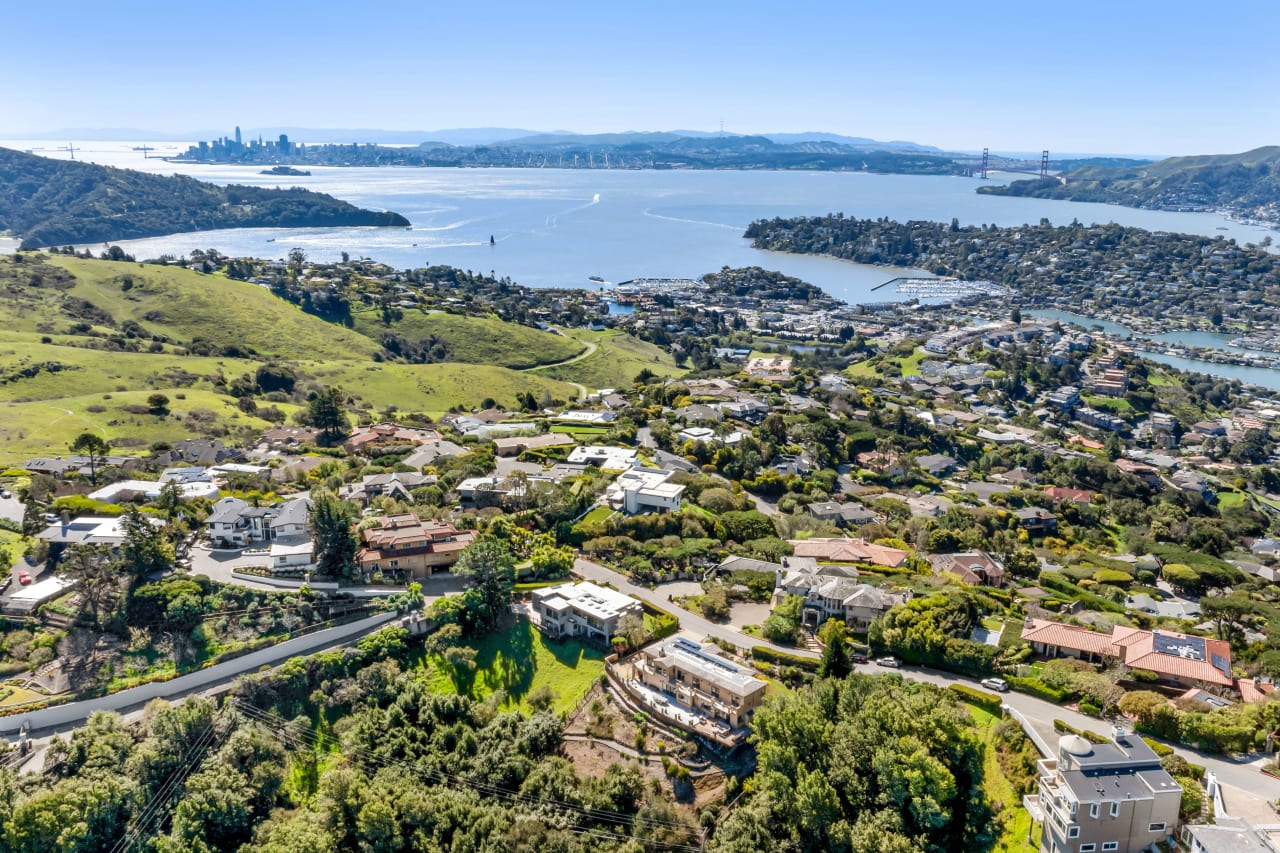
[1036, 687]
[1157, 747]
[768, 655]
[984, 700]
[1090, 709]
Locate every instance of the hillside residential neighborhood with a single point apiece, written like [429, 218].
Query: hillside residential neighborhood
[1079, 541]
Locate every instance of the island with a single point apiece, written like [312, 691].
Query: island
[1244, 186]
[49, 202]
[287, 171]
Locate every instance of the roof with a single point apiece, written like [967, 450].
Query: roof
[705, 661]
[1068, 637]
[598, 601]
[848, 550]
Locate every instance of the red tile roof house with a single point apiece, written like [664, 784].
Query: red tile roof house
[389, 433]
[407, 544]
[976, 568]
[1179, 658]
[1079, 496]
[845, 550]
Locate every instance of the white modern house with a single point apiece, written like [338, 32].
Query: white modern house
[644, 490]
[582, 610]
[235, 524]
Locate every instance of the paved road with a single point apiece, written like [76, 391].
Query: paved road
[72, 714]
[1243, 775]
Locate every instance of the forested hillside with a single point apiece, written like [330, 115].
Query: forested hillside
[54, 202]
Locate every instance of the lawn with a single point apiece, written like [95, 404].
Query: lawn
[579, 431]
[519, 661]
[1016, 826]
[599, 514]
[1229, 499]
[616, 361]
[12, 547]
[476, 340]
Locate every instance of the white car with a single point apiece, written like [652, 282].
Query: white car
[889, 661]
[999, 685]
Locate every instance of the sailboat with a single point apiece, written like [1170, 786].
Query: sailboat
[491, 240]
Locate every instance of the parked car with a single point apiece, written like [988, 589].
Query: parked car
[999, 685]
[5, 493]
[24, 577]
[858, 657]
[889, 661]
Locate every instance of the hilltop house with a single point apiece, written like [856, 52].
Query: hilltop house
[404, 543]
[845, 550]
[582, 610]
[975, 568]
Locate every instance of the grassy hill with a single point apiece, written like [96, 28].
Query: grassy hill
[53, 202]
[83, 351]
[1248, 183]
[474, 340]
[617, 358]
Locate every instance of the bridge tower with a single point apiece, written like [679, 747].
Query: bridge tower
[1044, 164]
[985, 159]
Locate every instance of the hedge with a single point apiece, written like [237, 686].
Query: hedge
[1064, 727]
[667, 625]
[764, 653]
[986, 701]
[1036, 687]
[1157, 747]
[1058, 583]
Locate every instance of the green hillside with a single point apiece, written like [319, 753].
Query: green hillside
[614, 362]
[1248, 183]
[53, 202]
[86, 342]
[474, 340]
[58, 295]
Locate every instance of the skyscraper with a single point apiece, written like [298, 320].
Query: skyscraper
[237, 136]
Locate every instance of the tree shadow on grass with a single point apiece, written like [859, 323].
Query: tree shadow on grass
[513, 664]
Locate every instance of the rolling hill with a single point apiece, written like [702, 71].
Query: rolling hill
[1247, 184]
[87, 341]
[55, 202]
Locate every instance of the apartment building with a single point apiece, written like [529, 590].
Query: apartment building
[1105, 798]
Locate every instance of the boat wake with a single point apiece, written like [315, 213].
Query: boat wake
[738, 228]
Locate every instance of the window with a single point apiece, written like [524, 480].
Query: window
[1088, 848]
[1093, 809]
[1115, 812]
[1073, 832]
[1155, 827]
[1111, 845]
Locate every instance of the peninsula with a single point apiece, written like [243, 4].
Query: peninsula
[1244, 186]
[54, 202]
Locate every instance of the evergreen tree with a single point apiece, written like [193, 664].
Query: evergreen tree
[835, 661]
[335, 543]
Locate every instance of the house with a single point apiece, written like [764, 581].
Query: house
[605, 458]
[699, 413]
[516, 444]
[405, 543]
[1142, 471]
[772, 368]
[701, 681]
[1065, 398]
[289, 437]
[1037, 520]
[398, 485]
[836, 594]
[233, 523]
[586, 417]
[1060, 494]
[366, 438]
[935, 463]
[63, 467]
[148, 490]
[644, 490]
[975, 568]
[1105, 797]
[1110, 383]
[582, 610]
[843, 514]
[845, 550]
[428, 453]
[1014, 477]
[88, 530]
[1177, 658]
[696, 434]
[1229, 834]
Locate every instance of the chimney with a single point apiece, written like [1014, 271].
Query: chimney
[66, 517]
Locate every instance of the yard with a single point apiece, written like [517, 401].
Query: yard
[1012, 820]
[519, 661]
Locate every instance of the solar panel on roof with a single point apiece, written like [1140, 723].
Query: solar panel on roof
[1188, 648]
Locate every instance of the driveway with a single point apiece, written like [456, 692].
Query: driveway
[11, 509]
[1243, 775]
[218, 565]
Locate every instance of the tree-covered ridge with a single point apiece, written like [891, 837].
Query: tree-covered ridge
[1247, 183]
[1173, 279]
[52, 202]
[864, 765]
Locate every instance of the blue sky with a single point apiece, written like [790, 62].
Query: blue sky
[1177, 76]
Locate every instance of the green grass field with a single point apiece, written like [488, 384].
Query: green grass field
[1014, 821]
[519, 661]
[12, 546]
[476, 340]
[616, 361]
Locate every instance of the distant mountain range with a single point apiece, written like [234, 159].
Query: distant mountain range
[55, 202]
[1247, 185]
[453, 136]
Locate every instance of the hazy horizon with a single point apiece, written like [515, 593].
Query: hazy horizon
[1091, 77]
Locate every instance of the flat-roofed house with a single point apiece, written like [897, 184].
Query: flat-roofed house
[582, 610]
[701, 680]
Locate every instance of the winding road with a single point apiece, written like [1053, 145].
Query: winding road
[586, 353]
[1242, 777]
